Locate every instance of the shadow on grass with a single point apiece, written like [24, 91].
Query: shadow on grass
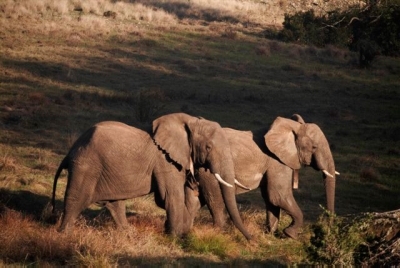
[31, 205]
[26, 202]
[125, 260]
[194, 12]
[37, 207]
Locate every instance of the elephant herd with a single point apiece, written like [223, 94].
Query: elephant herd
[188, 162]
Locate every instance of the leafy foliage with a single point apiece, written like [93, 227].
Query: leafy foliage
[372, 29]
[382, 247]
[335, 240]
[307, 28]
[370, 239]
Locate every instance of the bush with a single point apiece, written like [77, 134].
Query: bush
[371, 30]
[307, 28]
[336, 240]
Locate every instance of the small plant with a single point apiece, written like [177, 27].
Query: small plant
[230, 33]
[335, 240]
[42, 160]
[7, 163]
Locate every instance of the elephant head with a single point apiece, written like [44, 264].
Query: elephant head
[297, 143]
[189, 141]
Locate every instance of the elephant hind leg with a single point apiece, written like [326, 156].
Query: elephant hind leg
[273, 215]
[272, 211]
[118, 212]
[280, 194]
[72, 209]
[292, 209]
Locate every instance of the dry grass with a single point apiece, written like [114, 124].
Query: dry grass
[86, 245]
[250, 12]
[98, 243]
[7, 161]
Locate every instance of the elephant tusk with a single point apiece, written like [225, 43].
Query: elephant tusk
[218, 177]
[241, 185]
[191, 167]
[327, 173]
[337, 173]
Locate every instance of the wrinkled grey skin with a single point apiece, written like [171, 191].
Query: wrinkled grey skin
[266, 160]
[112, 162]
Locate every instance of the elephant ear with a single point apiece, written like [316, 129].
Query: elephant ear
[280, 140]
[170, 133]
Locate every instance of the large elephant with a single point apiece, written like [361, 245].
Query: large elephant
[267, 159]
[112, 162]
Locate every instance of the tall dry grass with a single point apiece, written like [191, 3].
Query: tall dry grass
[96, 243]
[256, 13]
[50, 8]
[30, 242]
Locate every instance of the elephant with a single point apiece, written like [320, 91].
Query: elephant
[267, 159]
[112, 162]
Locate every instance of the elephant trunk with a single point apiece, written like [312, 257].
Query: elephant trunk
[324, 162]
[330, 185]
[229, 196]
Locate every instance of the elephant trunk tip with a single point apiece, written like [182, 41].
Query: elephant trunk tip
[249, 238]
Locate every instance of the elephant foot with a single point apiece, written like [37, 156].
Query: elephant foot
[292, 232]
[272, 227]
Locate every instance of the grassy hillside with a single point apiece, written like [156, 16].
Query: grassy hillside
[64, 66]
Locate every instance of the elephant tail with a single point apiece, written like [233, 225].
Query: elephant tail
[63, 165]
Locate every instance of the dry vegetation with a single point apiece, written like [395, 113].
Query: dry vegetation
[65, 65]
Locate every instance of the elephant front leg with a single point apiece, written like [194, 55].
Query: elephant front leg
[174, 222]
[174, 202]
[211, 192]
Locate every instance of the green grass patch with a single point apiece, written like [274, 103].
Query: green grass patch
[215, 244]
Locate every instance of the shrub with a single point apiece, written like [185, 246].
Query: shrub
[307, 28]
[335, 240]
[371, 30]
